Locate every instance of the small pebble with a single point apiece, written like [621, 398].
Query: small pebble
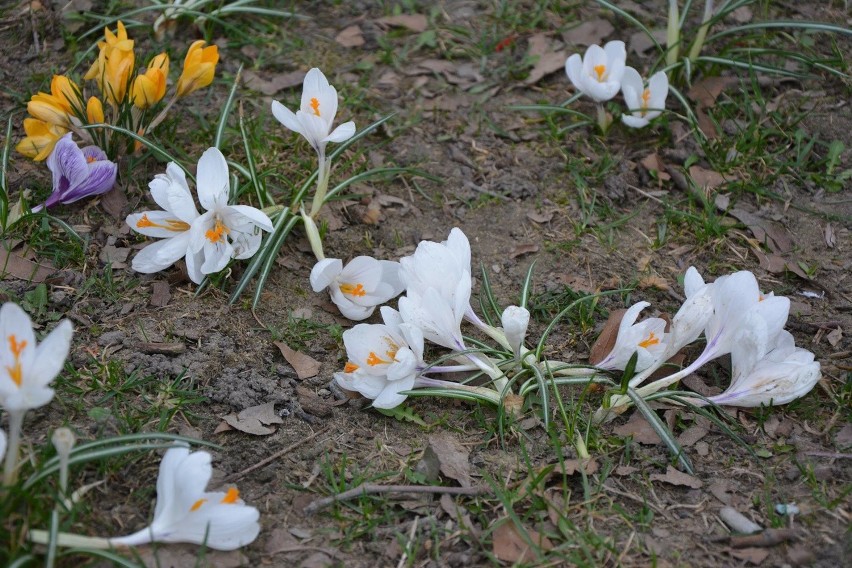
[738, 522]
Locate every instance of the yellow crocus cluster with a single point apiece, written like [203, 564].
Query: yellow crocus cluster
[121, 85]
[51, 117]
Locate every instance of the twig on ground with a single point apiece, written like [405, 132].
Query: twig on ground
[411, 534]
[766, 538]
[273, 457]
[373, 488]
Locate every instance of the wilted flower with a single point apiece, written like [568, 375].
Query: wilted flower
[171, 192]
[515, 320]
[185, 512]
[199, 68]
[384, 359]
[360, 286]
[644, 103]
[150, 88]
[315, 116]
[78, 173]
[784, 374]
[647, 339]
[28, 368]
[598, 73]
[40, 139]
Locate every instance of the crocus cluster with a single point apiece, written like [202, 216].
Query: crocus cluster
[602, 72]
[207, 241]
[736, 319]
[128, 95]
[386, 360]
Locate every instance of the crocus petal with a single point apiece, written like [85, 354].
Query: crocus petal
[156, 224]
[632, 88]
[212, 180]
[325, 272]
[251, 214]
[574, 69]
[67, 162]
[161, 254]
[51, 353]
[286, 117]
[390, 396]
[634, 121]
[342, 133]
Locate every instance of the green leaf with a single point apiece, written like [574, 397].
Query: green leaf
[403, 413]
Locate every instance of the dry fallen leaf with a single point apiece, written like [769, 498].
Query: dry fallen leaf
[639, 429]
[414, 22]
[116, 257]
[547, 60]
[350, 37]
[653, 163]
[254, 420]
[452, 457]
[270, 86]
[835, 336]
[675, 477]
[304, 365]
[589, 32]
[541, 218]
[705, 91]
[13, 264]
[708, 180]
[160, 293]
[510, 546]
[114, 202]
[754, 556]
[521, 249]
[692, 435]
[606, 340]
[651, 281]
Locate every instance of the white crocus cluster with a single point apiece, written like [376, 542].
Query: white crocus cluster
[385, 360]
[207, 241]
[602, 72]
[735, 318]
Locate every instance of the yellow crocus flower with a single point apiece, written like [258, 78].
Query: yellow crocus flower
[40, 139]
[114, 66]
[149, 88]
[94, 111]
[58, 106]
[199, 68]
[118, 39]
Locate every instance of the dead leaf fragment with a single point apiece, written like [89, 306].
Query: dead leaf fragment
[588, 33]
[116, 257]
[675, 477]
[114, 202]
[452, 457]
[13, 264]
[414, 22]
[350, 37]
[606, 340]
[754, 556]
[254, 420]
[522, 249]
[835, 336]
[547, 60]
[653, 163]
[540, 218]
[652, 281]
[160, 293]
[639, 429]
[510, 546]
[270, 86]
[304, 365]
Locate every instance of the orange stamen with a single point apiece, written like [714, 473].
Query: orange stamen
[353, 289]
[171, 224]
[231, 496]
[373, 360]
[197, 505]
[350, 367]
[600, 70]
[651, 340]
[315, 106]
[16, 372]
[217, 233]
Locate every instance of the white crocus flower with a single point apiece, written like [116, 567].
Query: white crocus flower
[784, 374]
[224, 231]
[515, 320]
[27, 367]
[171, 192]
[384, 359]
[437, 316]
[26, 370]
[360, 286]
[437, 265]
[598, 73]
[644, 103]
[185, 512]
[646, 338]
[315, 116]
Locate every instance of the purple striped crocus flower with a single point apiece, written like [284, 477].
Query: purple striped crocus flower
[77, 173]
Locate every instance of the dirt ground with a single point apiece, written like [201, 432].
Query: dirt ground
[581, 207]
